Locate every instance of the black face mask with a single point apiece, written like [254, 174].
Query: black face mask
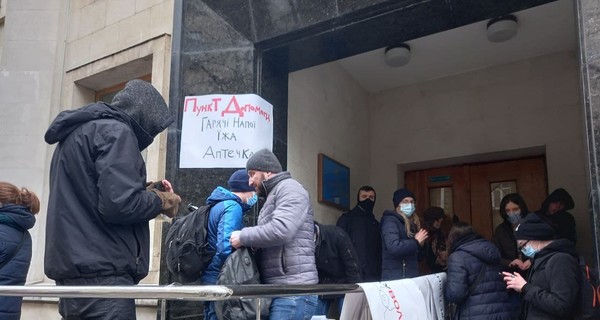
[367, 205]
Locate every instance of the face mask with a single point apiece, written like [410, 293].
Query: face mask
[252, 200]
[407, 208]
[528, 251]
[367, 205]
[514, 218]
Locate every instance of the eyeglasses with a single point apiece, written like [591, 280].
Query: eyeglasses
[523, 245]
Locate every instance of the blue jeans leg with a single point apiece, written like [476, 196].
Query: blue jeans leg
[293, 308]
[322, 307]
[209, 311]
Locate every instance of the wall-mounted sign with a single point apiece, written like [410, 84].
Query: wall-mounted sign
[223, 131]
[439, 178]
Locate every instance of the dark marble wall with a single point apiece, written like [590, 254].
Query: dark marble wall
[250, 46]
[588, 20]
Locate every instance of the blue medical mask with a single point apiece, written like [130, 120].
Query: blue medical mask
[514, 218]
[529, 251]
[252, 200]
[407, 208]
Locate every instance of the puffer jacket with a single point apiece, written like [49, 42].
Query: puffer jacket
[15, 220]
[284, 233]
[400, 254]
[489, 300]
[225, 217]
[98, 206]
[552, 287]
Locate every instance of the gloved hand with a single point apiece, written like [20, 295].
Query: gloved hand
[170, 202]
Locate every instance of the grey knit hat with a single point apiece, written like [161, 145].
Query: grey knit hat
[264, 160]
[142, 102]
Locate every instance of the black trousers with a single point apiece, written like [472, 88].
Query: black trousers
[94, 308]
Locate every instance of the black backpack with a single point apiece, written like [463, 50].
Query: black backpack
[240, 268]
[188, 253]
[589, 307]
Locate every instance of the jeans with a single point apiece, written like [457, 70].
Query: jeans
[323, 306]
[209, 311]
[94, 308]
[293, 308]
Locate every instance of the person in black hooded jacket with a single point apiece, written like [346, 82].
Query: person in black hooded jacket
[100, 203]
[364, 231]
[17, 209]
[554, 211]
[337, 263]
[551, 290]
[469, 255]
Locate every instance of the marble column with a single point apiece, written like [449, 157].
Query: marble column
[588, 22]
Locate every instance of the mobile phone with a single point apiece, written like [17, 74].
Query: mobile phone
[159, 186]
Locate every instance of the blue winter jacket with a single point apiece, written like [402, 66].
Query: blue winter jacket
[224, 218]
[399, 253]
[489, 300]
[14, 222]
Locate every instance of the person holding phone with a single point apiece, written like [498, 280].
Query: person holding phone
[552, 286]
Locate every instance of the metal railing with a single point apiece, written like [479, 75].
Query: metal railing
[178, 292]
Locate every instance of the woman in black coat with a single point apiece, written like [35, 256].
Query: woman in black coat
[402, 238]
[552, 287]
[485, 298]
[17, 207]
[513, 209]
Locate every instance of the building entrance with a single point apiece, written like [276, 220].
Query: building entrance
[473, 191]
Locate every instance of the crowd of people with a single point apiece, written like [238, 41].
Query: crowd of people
[100, 203]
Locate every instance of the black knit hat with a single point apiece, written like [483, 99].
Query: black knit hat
[264, 160]
[238, 182]
[534, 228]
[400, 194]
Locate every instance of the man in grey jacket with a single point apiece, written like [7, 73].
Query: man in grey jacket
[284, 234]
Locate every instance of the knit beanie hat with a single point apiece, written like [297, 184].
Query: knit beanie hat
[238, 182]
[144, 104]
[400, 194]
[534, 228]
[265, 161]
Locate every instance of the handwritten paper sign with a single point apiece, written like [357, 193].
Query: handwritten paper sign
[223, 131]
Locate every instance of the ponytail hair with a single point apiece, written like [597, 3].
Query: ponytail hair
[10, 194]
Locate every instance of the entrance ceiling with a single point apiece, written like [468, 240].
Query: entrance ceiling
[542, 30]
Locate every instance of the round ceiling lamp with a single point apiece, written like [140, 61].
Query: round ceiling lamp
[502, 28]
[398, 55]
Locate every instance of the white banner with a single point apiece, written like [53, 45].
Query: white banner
[419, 298]
[223, 131]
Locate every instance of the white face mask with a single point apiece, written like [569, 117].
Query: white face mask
[407, 208]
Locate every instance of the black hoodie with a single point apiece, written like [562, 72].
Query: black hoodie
[562, 221]
[98, 206]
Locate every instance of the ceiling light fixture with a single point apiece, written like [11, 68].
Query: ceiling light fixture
[502, 28]
[397, 55]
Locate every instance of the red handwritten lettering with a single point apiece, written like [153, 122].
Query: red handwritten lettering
[192, 103]
[233, 102]
[396, 303]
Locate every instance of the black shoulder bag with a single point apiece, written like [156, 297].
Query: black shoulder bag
[453, 308]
